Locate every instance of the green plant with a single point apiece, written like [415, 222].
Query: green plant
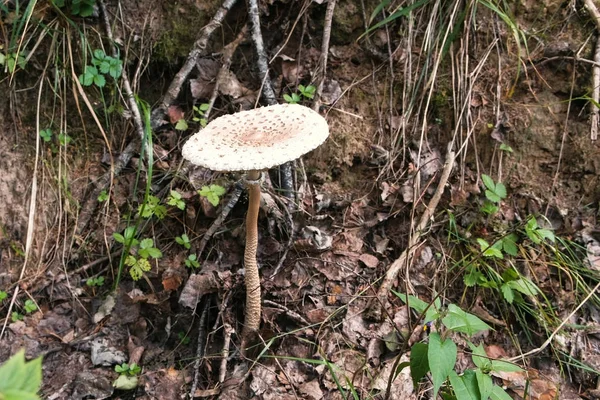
[82, 8]
[181, 125]
[175, 200]
[439, 355]
[64, 139]
[151, 206]
[95, 282]
[183, 338]
[11, 61]
[16, 316]
[294, 98]
[103, 196]
[184, 241]
[30, 306]
[495, 192]
[307, 91]
[127, 379]
[212, 193]
[192, 262]
[3, 295]
[102, 64]
[126, 369]
[46, 135]
[21, 380]
[200, 114]
[142, 250]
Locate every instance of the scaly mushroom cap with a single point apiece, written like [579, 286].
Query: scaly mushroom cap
[257, 139]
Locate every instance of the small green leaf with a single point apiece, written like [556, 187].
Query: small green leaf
[505, 366]
[507, 293]
[204, 107]
[419, 363]
[480, 358]
[30, 306]
[442, 357]
[506, 148]
[99, 81]
[21, 380]
[488, 182]
[181, 125]
[3, 295]
[118, 238]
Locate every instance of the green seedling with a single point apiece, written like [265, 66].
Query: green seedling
[16, 316]
[21, 379]
[307, 91]
[294, 98]
[126, 369]
[506, 148]
[81, 8]
[127, 379]
[95, 282]
[30, 306]
[200, 114]
[3, 295]
[152, 207]
[46, 135]
[536, 234]
[103, 196]
[495, 192]
[64, 139]
[192, 262]
[212, 193]
[11, 61]
[102, 65]
[140, 251]
[181, 125]
[183, 338]
[175, 200]
[184, 241]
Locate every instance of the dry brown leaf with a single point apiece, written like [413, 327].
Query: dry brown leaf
[369, 260]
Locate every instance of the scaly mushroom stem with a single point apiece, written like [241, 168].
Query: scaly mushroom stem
[253, 308]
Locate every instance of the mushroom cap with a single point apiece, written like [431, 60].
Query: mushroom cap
[257, 139]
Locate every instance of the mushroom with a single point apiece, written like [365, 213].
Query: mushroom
[253, 141]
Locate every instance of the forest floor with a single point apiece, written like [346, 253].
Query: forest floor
[461, 176]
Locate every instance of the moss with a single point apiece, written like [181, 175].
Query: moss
[178, 36]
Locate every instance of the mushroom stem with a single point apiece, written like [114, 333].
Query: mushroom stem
[253, 307]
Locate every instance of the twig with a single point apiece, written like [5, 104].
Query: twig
[292, 314]
[285, 170]
[200, 344]
[235, 196]
[197, 51]
[595, 117]
[324, 53]
[227, 330]
[374, 309]
[222, 75]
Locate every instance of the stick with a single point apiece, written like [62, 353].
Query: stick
[324, 53]
[374, 309]
[200, 348]
[235, 196]
[227, 330]
[595, 117]
[197, 51]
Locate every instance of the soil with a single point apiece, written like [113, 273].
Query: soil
[358, 199]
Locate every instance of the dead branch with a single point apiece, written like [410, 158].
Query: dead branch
[374, 310]
[227, 52]
[197, 51]
[235, 196]
[595, 117]
[324, 54]
[200, 346]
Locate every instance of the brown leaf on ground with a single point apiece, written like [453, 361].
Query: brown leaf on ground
[369, 260]
[200, 284]
[164, 384]
[402, 386]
